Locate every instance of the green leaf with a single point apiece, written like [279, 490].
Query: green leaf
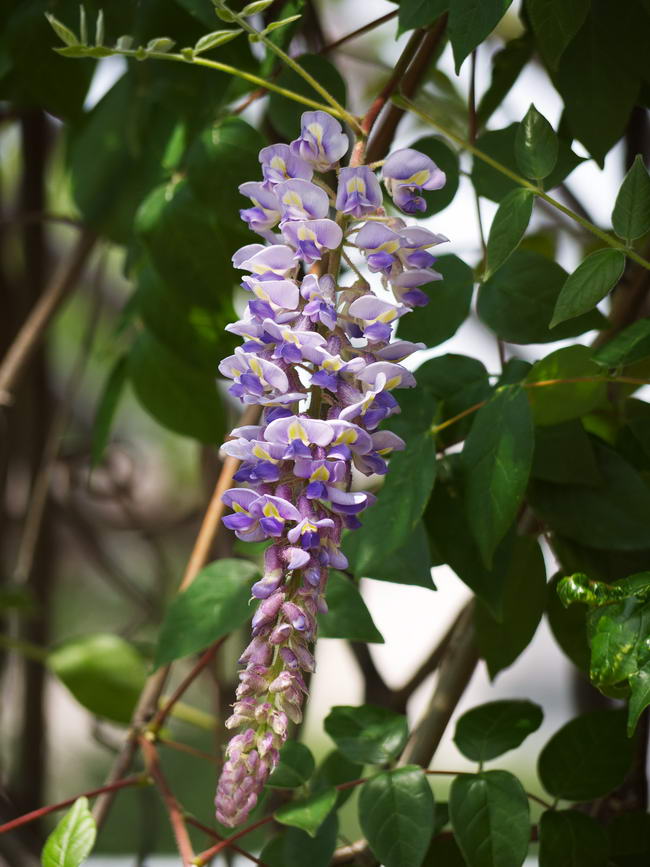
[491, 729]
[490, 817]
[594, 277]
[396, 810]
[630, 345]
[188, 328]
[553, 404]
[296, 767]
[103, 672]
[389, 523]
[419, 13]
[72, 840]
[507, 65]
[448, 307]
[285, 113]
[446, 159]
[347, 617]
[284, 22]
[618, 636]
[409, 564]
[451, 383]
[631, 214]
[308, 814]
[452, 539]
[571, 839]
[580, 588]
[334, 770]
[214, 604]
[107, 407]
[536, 146]
[508, 227]
[497, 458]
[564, 454]
[186, 243]
[227, 149]
[598, 97]
[555, 23]
[613, 516]
[64, 33]
[255, 8]
[295, 848]
[178, 396]
[523, 600]
[518, 300]
[472, 21]
[587, 757]
[500, 145]
[212, 40]
[367, 734]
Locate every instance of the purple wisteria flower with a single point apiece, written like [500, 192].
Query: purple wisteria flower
[406, 172]
[322, 141]
[320, 360]
[359, 192]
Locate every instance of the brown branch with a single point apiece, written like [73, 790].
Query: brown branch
[31, 333]
[176, 818]
[215, 509]
[192, 751]
[138, 780]
[365, 28]
[204, 857]
[455, 673]
[384, 131]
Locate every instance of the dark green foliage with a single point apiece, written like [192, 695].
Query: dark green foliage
[571, 839]
[489, 815]
[492, 729]
[368, 734]
[496, 462]
[214, 604]
[587, 757]
[347, 616]
[523, 595]
[517, 302]
[396, 815]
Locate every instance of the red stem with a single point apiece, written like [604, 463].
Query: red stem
[207, 657]
[176, 820]
[211, 833]
[138, 780]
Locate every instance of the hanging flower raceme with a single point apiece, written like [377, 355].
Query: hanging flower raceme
[320, 360]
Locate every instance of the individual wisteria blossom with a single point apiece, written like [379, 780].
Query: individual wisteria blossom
[321, 361]
[407, 172]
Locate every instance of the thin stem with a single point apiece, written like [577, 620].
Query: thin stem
[298, 69]
[25, 648]
[608, 239]
[162, 714]
[215, 836]
[365, 28]
[138, 780]
[192, 751]
[203, 857]
[542, 383]
[176, 816]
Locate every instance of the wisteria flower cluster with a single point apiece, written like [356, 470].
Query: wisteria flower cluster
[320, 360]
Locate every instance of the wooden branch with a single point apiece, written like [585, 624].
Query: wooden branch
[31, 333]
